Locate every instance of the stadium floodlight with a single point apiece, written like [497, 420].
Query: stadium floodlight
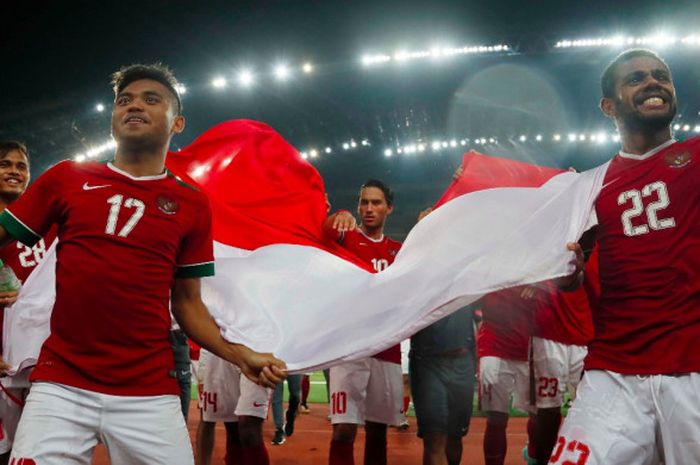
[523, 138]
[353, 144]
[388, 152]
[421, 147]
[435, 145]
[453, 143]
[304, 155]
[307, 68]
[79, 158]
[463, 142]
[281, 72]
[245, 78]
[556, 137]
[492, 140]
[219, 82]
[582, 137]
[365, 143]
[445, 144]
[686, 127]
[313, 153]
[616, 137]
[100, 108]
[696, 128]
[180, 88]
[572, 137]
[346, 146]
[399, 150]
[676, 127]
[538, 137]
[329, 150]
[600, 138]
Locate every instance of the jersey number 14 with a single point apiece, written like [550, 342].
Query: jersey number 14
[652, 209]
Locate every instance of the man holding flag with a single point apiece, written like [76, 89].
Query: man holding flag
[132, 239]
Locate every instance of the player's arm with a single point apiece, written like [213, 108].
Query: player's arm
[194, 319]
[338, 223]
[6, 298]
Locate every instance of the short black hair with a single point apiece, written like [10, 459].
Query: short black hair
[388, 193]
[156, 72]
[7, 146]
[607, 80]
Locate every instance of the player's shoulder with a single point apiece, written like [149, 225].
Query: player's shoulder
[185, 189]
[392, 244]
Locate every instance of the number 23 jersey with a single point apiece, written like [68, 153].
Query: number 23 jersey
[648, 317]
[122, 242]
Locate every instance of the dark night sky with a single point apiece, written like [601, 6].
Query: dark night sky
[57, 57]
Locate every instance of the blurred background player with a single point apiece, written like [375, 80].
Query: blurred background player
[562, 330]
[284, 421]
[369, 391]
[242, 405]
[14, 177]
[638, 402]
[503, 345]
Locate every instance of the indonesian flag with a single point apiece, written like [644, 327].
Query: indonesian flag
[282, 287]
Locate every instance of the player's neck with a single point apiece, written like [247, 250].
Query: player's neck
[3, 204]
[639, 142]
[373, 233]
[141, 163]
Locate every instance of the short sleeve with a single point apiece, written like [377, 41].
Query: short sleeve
[196, 257]
[31, 216]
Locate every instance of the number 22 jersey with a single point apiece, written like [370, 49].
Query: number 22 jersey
[122, 242]
[647, 320]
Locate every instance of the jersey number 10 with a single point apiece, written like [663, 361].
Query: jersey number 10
[637, 209]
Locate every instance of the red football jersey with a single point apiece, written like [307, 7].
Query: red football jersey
[23, 259]
[647, 320]
[563, 317]
[122, 242]
[506, 325]
[380, 254]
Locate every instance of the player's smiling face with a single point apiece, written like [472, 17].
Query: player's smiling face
[145, 115]
[644, 94]
[373, 208]
[14, 175]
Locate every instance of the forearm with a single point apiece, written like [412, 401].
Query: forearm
[198, 324]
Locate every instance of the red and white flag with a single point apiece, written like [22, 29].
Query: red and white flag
[282, 287]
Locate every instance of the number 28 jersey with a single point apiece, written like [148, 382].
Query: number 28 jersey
[122, 242]
[647, 320]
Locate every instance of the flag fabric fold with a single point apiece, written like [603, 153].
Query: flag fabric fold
[281, 286]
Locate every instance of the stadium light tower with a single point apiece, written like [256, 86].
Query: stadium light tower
[100, 108]
[307, 68]
[245, 78]
[218, 82]
[281, 72]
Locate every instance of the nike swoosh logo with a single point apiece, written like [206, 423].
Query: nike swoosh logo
[87, 187]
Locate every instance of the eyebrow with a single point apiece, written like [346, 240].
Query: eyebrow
[145, 92]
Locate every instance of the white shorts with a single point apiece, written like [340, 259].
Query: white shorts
[228, 394]
[499, 378]
[11, 405]
[632, 420]
[405, 349]
[366, 390]
[61, 425]
[557, 366]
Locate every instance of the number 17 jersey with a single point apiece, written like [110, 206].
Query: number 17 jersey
[122, 242]
[647, 320]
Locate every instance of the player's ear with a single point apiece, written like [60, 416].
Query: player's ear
[178, 124]
[607, 106]
[390, 209]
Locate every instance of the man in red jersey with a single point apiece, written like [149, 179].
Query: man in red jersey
[639, 400]
[14, 177]
[503, 343]
[133, 238]
[562, 329]
[369, 391]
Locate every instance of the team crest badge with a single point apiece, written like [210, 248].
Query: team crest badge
[678, 160]
[166, 205]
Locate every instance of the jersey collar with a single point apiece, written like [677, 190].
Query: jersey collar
[370, 239]
[156, 177]
[650, 153]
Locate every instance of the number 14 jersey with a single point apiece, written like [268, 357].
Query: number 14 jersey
[122, 242]
[648, 317]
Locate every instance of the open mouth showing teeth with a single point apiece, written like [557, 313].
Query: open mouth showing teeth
[135, 119]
